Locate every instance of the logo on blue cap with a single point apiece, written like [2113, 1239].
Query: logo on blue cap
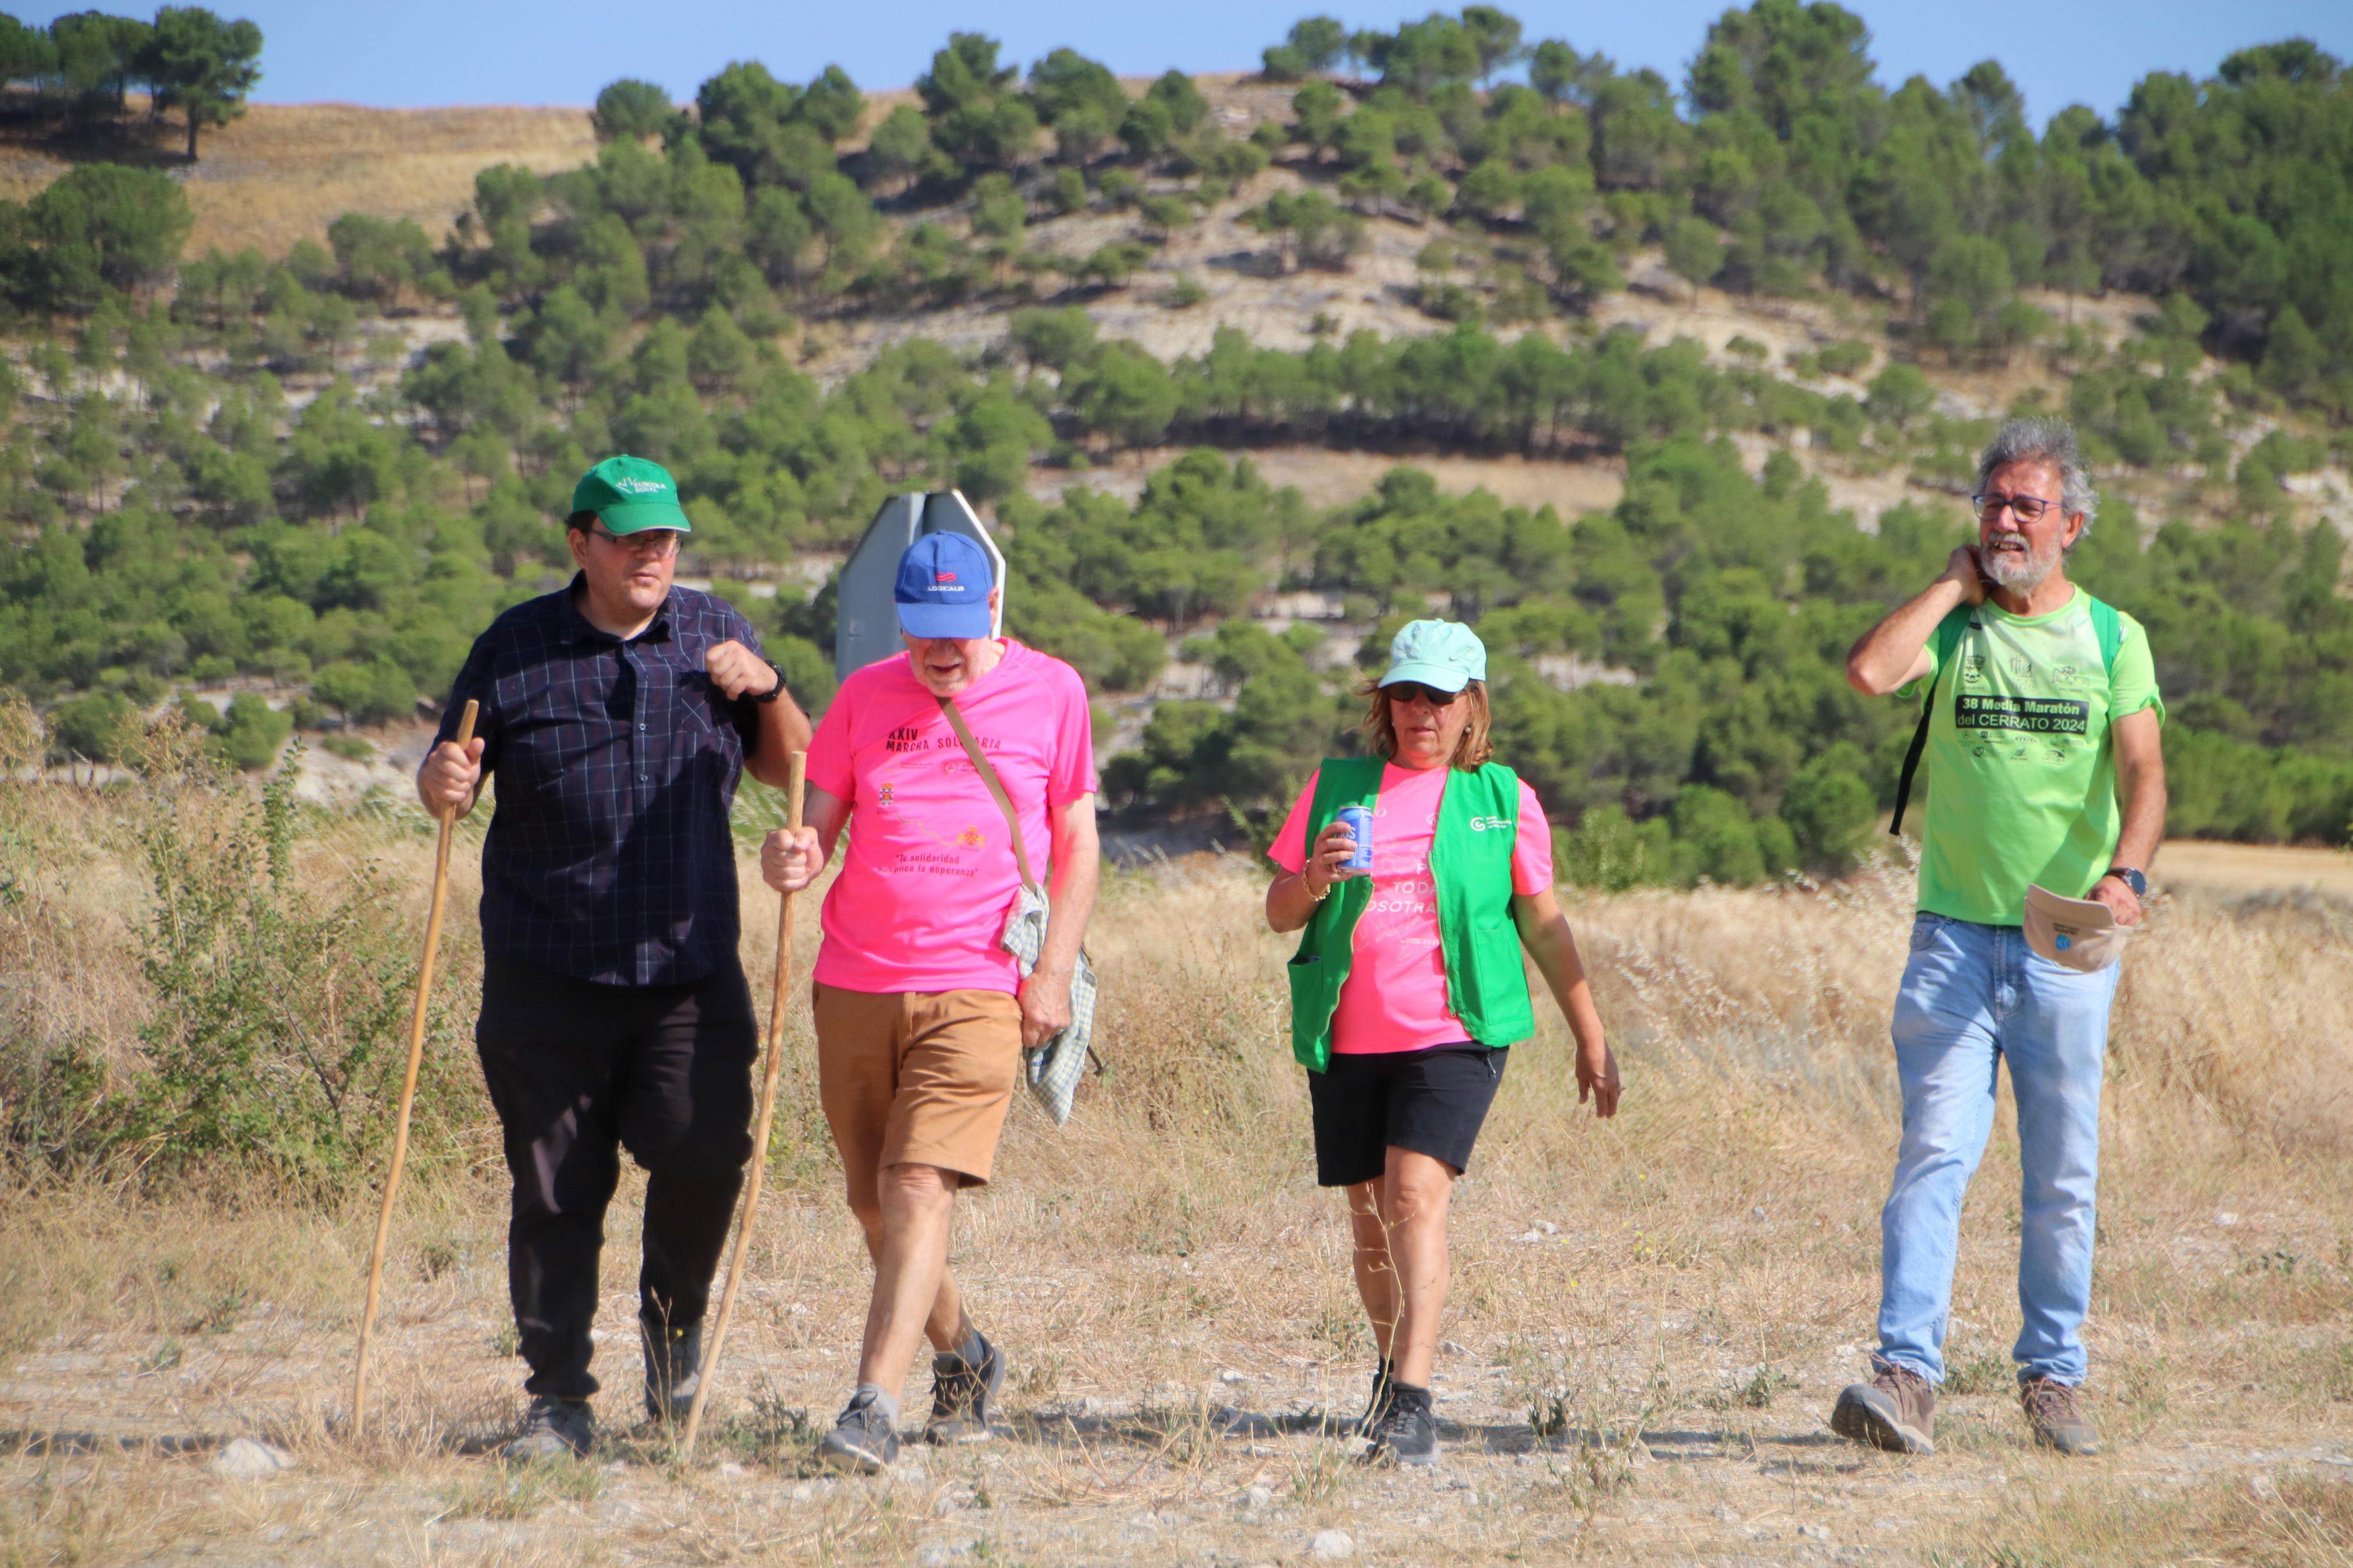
[943, 589]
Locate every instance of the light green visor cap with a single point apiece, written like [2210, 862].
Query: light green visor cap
[1445, 656]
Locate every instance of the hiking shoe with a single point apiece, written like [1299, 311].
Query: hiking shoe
[1896, 1410]
[554, 1428]
[1378, 1405]
[2055, 1412]
[673, 1368]
[962, 1394]
[1406, 1432]
[862, 1440]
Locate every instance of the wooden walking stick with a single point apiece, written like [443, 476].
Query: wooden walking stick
[799, 768]
[407, 1086]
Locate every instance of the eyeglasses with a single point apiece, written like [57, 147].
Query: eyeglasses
[2026, 509]
[654, 542]
[1414, 690]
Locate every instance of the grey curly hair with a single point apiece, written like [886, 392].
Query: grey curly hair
[2043, 438]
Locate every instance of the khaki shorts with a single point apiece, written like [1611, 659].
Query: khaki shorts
[915, 1078]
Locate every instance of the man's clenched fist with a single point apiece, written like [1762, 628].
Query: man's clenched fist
[738, 671]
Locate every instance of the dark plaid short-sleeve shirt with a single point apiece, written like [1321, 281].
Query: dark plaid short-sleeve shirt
[613, 765]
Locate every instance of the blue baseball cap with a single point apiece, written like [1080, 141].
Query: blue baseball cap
[1445, 656]
[943, 588]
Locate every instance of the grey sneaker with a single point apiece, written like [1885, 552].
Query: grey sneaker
[1406, 1432]
[1896, 1410]
[2055, 1412]
[555, 1428]
[673, 1368]
[862, 1441]
[963, 1394]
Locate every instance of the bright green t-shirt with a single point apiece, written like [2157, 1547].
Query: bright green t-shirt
[2020, 766]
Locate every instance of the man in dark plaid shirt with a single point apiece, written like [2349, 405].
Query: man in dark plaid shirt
[616, 714]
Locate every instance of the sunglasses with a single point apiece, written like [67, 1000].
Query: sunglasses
[1414, 690]
[654, 542]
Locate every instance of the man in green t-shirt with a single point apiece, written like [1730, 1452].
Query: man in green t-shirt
[2043, 768]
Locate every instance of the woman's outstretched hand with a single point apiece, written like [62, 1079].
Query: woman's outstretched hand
[1596, 1076]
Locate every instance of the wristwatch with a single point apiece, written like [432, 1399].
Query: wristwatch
[2132, 878]
[772, 693]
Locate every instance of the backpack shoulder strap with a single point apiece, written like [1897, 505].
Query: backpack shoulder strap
[1947, 640]
[2109, 628]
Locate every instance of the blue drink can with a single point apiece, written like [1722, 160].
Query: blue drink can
[1358, 820]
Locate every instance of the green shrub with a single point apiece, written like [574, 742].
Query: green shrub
[90, 728]
[251, 733]
[277, 1031]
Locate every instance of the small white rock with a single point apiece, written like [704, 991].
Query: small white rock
[1257, 1497]
[1231, 1375]
[1815, 1531]
[2226, 1219]
[803, 1492]
[730, 1468]
[245, 1460]
[1451, 1348]
[1333, 1545]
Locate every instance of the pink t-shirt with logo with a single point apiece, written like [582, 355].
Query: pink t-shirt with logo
[929, 875]
[1395, 996]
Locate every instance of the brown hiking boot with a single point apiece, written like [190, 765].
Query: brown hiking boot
[2055, 1412]
[1896, 1410]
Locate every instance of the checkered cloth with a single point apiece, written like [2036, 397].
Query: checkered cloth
[614, 764]
[1054, 1068]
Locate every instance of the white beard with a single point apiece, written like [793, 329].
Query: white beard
[2021, 572]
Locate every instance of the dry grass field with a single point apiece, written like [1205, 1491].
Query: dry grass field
[283, 172]
[1650, 1317]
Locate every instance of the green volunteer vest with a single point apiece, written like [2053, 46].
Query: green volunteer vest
[1470, 866]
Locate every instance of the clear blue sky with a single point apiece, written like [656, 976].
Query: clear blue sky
[431, 52]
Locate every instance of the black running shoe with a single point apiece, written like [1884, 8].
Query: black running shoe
[862, 1441]
[555, 1429]
[963, 1394]
[1407, 1432]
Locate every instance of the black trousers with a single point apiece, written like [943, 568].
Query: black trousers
[578, 1071]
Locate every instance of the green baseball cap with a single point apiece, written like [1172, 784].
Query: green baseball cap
[1445, 656]
[630, 495]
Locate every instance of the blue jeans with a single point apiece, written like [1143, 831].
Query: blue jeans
[1972, 996]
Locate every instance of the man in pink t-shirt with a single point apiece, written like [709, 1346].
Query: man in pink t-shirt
[921, 1013]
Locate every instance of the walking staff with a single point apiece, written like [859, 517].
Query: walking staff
[2046, 801]
[779, 999]
[407, 1091]
[616, 714]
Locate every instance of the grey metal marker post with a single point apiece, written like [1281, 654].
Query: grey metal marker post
[866, 625]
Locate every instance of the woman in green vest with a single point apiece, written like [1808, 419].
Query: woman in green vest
[1409, 989]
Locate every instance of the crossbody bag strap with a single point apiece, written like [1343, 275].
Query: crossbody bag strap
[995, 787]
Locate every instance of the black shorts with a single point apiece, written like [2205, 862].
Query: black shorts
[1431, 1102]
